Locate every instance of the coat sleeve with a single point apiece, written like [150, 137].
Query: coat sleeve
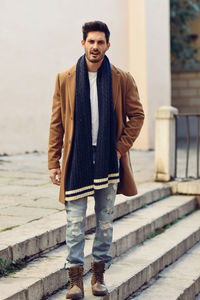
[135, 114]
[56, 130]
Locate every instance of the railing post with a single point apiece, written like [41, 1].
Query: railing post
[165, 143]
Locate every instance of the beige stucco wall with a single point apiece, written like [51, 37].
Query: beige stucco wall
[38, 39]
[150, 60]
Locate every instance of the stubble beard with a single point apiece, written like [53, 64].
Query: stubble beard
[94, 60]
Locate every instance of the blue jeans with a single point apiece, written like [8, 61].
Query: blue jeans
[75, 231]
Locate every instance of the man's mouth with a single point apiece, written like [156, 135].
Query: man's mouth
[95, 53]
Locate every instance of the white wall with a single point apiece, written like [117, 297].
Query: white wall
[149, 54]
[158, 59]
[38, 39]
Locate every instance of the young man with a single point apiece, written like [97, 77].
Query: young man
[91, 104]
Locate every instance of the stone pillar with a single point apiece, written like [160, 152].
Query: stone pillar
[165, 143]
[149, 60]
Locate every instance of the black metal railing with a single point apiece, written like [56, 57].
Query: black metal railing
[187, 144]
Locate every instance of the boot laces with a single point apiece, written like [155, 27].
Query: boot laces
[75, 279]
[99, 277]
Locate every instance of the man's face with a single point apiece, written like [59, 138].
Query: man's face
[95, 46]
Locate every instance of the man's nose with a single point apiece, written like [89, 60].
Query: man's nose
[95, 46]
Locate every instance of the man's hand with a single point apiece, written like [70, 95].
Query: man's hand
[55, 175]
[118, 155]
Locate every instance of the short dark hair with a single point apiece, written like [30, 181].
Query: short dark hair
[95, 26]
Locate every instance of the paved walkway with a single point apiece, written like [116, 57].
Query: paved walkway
[26, 193]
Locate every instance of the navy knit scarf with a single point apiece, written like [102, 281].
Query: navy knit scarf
[84, 176]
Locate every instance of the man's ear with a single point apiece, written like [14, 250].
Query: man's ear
[83, 43]
[108, 46]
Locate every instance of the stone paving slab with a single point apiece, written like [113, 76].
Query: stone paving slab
[128, 232]
[12, 222]
[49, 191]
[18, 215]
[11, 200]
[12, 190]
[10, 174]
[30, 212]
[36, 162]
[29, 182]
[44, 202]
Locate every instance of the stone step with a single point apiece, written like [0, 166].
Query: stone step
[181, 280]
[142, 263]
[191, 187]
[45, 275]
[43, 235]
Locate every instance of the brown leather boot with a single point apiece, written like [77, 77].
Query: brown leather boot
[97, 281]
[76, 283]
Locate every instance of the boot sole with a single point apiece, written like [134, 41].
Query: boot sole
[75, 297]
[95, 293]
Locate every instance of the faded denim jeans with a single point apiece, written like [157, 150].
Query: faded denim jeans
[75, 231]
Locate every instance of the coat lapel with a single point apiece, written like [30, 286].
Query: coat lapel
[115, 85]
[71, 83]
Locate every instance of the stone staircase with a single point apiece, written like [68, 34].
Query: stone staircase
[156, 247]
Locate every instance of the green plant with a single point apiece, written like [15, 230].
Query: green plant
[9, 228]
[183, 50]
[165, 227]
[7, 268]
[144, 205]
[3, 267]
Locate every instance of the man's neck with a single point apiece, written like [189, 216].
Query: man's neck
[93, 67]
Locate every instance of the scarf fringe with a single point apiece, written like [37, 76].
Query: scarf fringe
[90, 190]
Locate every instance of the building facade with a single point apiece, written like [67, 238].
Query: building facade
[38, 39]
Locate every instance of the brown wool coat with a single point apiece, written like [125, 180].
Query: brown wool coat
[129, 114]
